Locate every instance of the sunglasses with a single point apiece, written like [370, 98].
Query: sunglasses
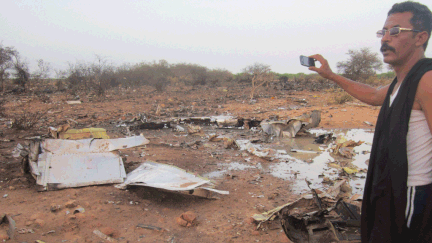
[393, 31]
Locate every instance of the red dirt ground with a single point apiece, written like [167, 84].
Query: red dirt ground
[118, 212]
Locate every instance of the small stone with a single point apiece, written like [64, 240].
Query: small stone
[181, 222]
[255, 233]
[111, 232]
[71, 204]
[189, 216]
[55, 208]
[11, 188]
[39, 222]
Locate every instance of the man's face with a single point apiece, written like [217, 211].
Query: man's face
[397, 49]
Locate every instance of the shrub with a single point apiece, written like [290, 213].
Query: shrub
[26, 120]
[342, 97]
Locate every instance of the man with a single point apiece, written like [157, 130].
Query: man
[397, 202]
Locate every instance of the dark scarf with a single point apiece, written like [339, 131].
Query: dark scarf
[385, 193]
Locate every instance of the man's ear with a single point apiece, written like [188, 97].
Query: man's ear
[421, 38]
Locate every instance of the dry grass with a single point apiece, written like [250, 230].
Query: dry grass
[26, 120]
[342, 97]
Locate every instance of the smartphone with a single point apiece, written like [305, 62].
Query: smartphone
[307, 61]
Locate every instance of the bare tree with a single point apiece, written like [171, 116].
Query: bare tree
[43, 71]
[21, 71]
[361, 64]
[259, 74]
[6, 62]
[102, 74]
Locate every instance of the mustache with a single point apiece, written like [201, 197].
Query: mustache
[385, 47]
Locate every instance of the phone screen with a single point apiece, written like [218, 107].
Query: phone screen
[307, 61]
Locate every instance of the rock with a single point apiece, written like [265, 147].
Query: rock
[189, 216]
[71, 204]
[39, 222]
[181, 222]
[55, 208]
[108, 231]
[255, 233]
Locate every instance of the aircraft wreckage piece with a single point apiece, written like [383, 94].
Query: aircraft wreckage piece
[313, 219]
[220, 121]
[57, 163]
[150, 126]
[318, 227]
[293, 126]
[169, 178]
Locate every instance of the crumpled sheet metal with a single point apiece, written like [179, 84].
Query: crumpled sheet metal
[307, 219]
[166, 177]
[329, 196]
[76, 163]
[291, 127]
[270, 215]
[283, 129]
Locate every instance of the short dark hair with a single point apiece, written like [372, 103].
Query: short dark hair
[422, 16]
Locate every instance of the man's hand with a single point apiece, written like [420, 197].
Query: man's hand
[325, 70]
[363, 92]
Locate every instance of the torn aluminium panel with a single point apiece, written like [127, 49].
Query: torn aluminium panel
[76, 163]
[292, 126]
[167, 177]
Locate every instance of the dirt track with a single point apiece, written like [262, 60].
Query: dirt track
[118, 212]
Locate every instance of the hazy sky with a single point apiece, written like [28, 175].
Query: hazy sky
[229, 34]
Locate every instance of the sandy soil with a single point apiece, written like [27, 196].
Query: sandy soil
[118, 212]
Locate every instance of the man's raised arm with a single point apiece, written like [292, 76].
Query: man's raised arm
[363, 92]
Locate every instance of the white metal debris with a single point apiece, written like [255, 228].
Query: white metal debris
[75, 163]
[166, 177]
